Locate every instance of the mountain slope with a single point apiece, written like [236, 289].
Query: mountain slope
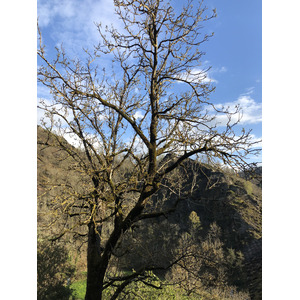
[218, 197]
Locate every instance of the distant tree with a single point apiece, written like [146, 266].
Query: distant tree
[53, 271]
[127, 120]
[206, 264]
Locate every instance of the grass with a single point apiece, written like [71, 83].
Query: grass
[78, 288]
[248, 187]
[140, 291]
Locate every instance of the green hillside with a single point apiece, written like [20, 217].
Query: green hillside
[217, 220]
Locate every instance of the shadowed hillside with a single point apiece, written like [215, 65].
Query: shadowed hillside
[218, 209]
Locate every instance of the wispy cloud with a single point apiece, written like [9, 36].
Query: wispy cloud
[250, 109]
[45, 115]
[204, 74]
[257, 140]
[73, 21]
[49, 11]
[43, 92]
[215, 70]
[197, 75]
[222, 70]
[249, 91]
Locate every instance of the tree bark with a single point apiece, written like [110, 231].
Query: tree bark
[93, 289]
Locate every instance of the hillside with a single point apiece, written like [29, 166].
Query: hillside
[219, 207]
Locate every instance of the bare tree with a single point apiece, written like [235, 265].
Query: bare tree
[127, 119]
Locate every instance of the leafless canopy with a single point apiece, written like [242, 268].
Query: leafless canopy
[153, 101]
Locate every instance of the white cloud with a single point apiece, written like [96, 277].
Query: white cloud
[197, 75]
[49, 105]
[72, 22]
[138, 115]
[257, 140]
[204, 74]
[43, 91]
[219, 70]
[73, 139]
[137, 143]
[223, 70]
[249, 91]
[48, 11]
[251, 111]
[41, 116]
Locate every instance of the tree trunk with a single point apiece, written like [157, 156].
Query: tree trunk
[93, 287]
[97, 258]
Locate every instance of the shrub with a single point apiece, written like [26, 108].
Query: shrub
[53, 271]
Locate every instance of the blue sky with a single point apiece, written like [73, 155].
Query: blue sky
[237, 47]
[234, 53]
[237, 30]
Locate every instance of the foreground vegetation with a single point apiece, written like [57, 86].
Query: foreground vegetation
[166, 292]
[217, 229]
[58, 279]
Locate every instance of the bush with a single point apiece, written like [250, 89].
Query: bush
[53, 271]
[78, 290]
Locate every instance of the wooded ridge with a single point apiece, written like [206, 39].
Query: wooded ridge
[217, 220]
